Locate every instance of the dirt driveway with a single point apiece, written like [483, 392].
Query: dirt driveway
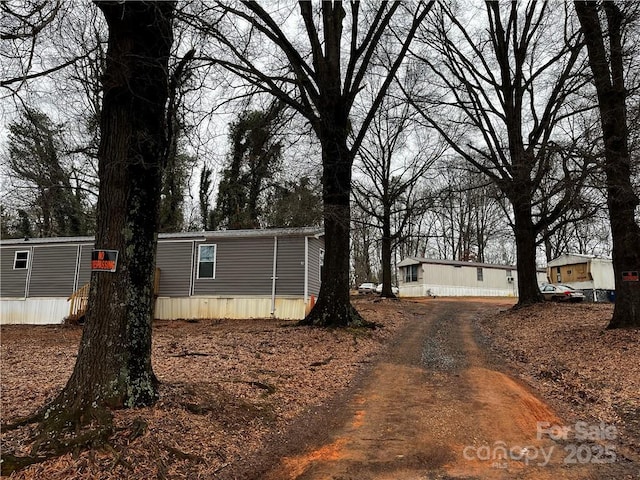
[438, 407]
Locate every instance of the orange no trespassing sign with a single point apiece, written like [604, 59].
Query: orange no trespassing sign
[104, 260]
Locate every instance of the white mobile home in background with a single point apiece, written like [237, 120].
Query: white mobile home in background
[421, 277]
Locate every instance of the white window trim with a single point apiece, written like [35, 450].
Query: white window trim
[15, 259]
[215, 260]
[320, 264]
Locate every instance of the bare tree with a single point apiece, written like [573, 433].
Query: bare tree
[320, 75]
[468, 210]
[505, 90]
[391, 171]
[24, 26]
[362, 247]
[590, 236]
[609, 21]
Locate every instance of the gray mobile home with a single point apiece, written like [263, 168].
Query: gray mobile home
[222, 274]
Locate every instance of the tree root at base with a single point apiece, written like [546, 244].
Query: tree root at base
[61, 433]
[349, 319]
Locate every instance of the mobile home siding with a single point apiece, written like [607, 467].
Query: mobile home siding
[53, 270]
[174, 259]
[244, 266]
[290, 271]
[242, 286]
[456, 278]
[315, 245]
[593, 275]
[465, 276]
[13, 283]
[84, 272]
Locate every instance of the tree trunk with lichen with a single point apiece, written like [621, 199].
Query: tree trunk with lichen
[609, 77]
[113, 367]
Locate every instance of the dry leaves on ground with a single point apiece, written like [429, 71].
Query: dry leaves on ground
[229, 386]
[225, 386]
[564, 350]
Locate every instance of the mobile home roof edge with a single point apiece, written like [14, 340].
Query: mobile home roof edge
[456, 263]
[572, 258]
[271, 232]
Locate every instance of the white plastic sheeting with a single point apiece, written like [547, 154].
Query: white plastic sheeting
[33, 310]
[172, 308]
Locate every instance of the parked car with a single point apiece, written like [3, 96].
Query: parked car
[366, 288]
[394, 289]
[561, 293]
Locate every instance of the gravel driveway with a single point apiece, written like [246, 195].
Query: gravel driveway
[437, 406]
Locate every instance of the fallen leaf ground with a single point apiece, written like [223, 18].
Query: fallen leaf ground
[588, 373]
[226, 385]
[229, 386]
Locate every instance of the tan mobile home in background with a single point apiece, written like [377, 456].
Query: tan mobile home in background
[593, 275]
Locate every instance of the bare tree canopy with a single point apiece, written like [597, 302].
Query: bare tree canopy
[25, 26]
[499, 99]
[315, 59]
[393, 163]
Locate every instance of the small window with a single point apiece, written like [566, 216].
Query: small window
[21, 260]
[321, 263]
[206, 261]
[479, 274]
[411, 273]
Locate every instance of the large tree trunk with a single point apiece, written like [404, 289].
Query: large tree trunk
[525, 234]
[334, 307]
[113, 367]
[608, 72]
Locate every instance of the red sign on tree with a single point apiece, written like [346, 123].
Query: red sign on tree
[104, 260]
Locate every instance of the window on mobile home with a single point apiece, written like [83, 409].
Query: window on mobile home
[21, 260]
[411, 273]
[207, 261]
